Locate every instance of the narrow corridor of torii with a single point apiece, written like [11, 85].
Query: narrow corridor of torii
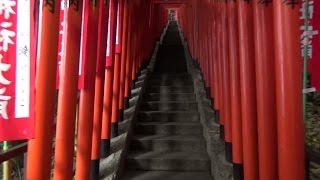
[92, 51]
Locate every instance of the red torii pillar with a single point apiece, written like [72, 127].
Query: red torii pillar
[108, 86]
[99, 89]
[216, 72]
[288, 67]
[266, 93]
[67, 103]
[123, 59]
[236, 120]
[219, 61]
[130, 53]
[116, 73]
[226, 109]
[248, 93]
[40, 148]
[86, 108]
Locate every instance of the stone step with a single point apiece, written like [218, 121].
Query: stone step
[167, 143]
[169, 116]
[168, 161]
[169, 97]
[170, 75]
[167, 175]
[168, 128]
[169, 106]
[170, 89]
[170, 83]
[180, 77]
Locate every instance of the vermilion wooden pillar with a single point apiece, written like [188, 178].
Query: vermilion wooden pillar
[288, 67]
[236, 120]
[127, 84]
[99, 88]
[86, 107]
[40, 148]
[226, 82]
[266, 94]
[134, 64]
[207, 49]
[123, 59]
[216, 68]
[212, 54]
[108, 86]
[116, 73]
[248, 91]
[220, 71]
[68, 90]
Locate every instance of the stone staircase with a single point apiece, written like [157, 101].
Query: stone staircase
[168, 142]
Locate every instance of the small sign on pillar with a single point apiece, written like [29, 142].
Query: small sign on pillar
[17, 69]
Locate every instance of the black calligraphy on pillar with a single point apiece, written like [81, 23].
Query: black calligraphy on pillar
[247, 1]
[51, 4]
[291, 3]
[24, 51]
[265, 2]
[75, 4]
[106, 2]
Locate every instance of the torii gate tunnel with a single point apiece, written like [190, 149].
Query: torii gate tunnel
[248, 51]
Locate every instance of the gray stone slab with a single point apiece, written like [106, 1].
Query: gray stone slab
[166, 175]
[168, 116]
[169, 106]
[173, 161]
[169, 97]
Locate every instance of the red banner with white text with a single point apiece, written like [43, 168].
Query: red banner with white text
[17, 69]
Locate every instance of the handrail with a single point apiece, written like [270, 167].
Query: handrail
[13, 152]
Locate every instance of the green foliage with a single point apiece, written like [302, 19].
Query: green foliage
[316, 99]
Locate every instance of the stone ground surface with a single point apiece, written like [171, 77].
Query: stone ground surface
[312, 130]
